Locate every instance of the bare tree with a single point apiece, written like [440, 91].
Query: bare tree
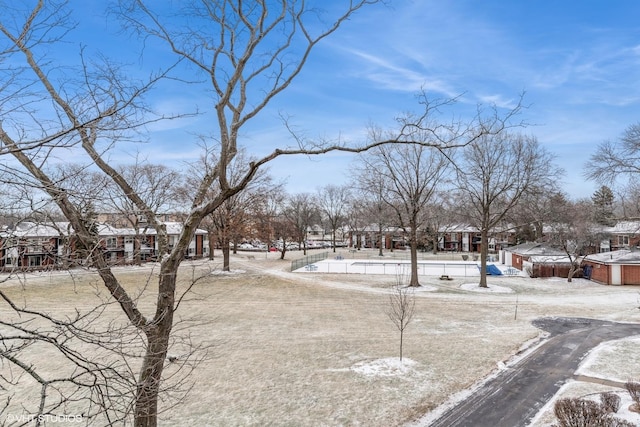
[536, 208]
[249, 54]
[371, 184]
[233, 219]
[301, 212]
[285, 232]
[495, 173]
[333, 201]
[616, 159]
[156, 185]
[410, 175]
[438, 214]
[357, 219]
[570, 227]
[266, 215]
[402, 305]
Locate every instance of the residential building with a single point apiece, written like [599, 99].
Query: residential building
[29, 245]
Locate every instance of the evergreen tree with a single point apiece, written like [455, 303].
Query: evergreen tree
[603, 206]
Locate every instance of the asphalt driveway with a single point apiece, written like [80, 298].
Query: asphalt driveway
[516, 395]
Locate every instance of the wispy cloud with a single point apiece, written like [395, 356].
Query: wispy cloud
[388, 74]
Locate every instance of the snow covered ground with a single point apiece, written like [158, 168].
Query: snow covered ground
[318, 349]
[614, 361]
[617, 361]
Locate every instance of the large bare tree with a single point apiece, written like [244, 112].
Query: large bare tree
[494, 174]
[245, 53]
[248, 53]
[411, 175]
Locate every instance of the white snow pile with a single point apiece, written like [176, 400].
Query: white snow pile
[474, 287]
[387, 367]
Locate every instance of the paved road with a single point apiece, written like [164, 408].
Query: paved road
[514, 397]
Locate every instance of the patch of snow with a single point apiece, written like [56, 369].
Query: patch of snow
[474, 287]
[227, 273]
[615, 360]
[425, 288]
[387, 367]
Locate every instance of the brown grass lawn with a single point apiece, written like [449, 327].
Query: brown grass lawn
[281, 347]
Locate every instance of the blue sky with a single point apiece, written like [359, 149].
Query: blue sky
[577, 61]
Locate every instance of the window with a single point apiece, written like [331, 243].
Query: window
[623, 240]
[34, 245]
[112, 242]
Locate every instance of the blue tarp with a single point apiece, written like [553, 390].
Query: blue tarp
[492, 270]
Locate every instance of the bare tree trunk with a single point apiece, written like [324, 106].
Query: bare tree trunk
[137, 249]
[212, 245]
[381, 242]
[146, 409]
[226, 254]
[484, 252]
[573, 270]
[414, 258]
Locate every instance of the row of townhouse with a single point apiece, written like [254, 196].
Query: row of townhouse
[371, 237]
[467, 238]
[454, 238]
[34, 246]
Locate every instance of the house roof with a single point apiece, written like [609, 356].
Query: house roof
[624, 227]
[622, 256]
[458, 228]
[55, 229]
[173, 228]
[28, 229]
[534, 248]
[550, 259]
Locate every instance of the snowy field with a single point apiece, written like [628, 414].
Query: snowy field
[304, 349]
